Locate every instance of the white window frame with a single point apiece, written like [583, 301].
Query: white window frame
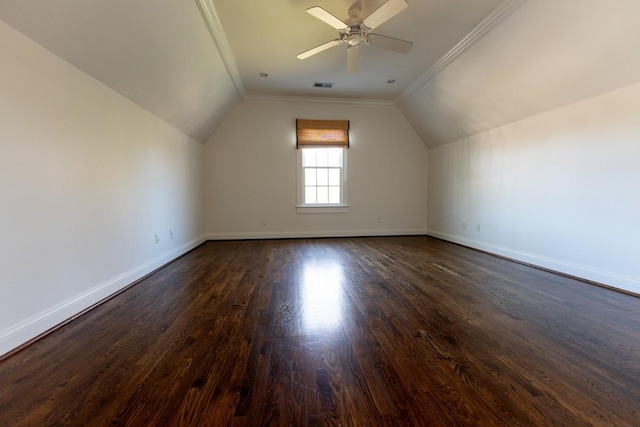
[303, 208]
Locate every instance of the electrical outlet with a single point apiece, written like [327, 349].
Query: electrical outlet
[378, 220]
[171, 234]
[157, 239]
[464, 225]
[478, 227]
[263, 221]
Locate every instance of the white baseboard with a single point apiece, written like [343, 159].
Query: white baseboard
[622, 282]
[313, 234]
[20, 333]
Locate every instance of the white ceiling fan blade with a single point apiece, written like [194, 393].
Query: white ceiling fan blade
[353, 59]
[387, 11]
[319, 49]
[389, 43]
[326, 17]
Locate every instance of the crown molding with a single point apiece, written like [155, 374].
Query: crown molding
[318, 100]
[501, 12]
[211, 19]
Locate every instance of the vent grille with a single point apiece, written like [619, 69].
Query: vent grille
[323, 85]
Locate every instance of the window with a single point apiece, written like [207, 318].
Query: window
[322, 176]
[322, 152]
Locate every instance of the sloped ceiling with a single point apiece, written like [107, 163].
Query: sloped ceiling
[186, 61]
[475, 64]
[547, 54]
[159, 54]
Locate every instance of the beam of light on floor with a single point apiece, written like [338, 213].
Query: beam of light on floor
[322, 295]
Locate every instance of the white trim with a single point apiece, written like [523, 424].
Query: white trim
[22, 332]
[501, 12]
[309, 234]
[322, 209]
[627, 283]
[319, 100]
[211, 19]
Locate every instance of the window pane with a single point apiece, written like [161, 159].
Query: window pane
[323, 176]
[308, 157]
[310, 195]
[323, 158]
[334, 194]
[309, 176]
[323, 195]
[334, 176]
[335, 157]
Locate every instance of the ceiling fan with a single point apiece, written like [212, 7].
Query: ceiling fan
[356, 31]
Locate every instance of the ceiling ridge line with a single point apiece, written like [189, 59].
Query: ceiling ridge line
[214, 25]
[501, 12]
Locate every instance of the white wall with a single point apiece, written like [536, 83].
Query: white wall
[86, 180]
[560, 189]
[251, 173]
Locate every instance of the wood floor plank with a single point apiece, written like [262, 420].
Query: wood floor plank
[384, 331]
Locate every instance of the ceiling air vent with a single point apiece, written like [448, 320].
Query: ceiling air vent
[323, 85]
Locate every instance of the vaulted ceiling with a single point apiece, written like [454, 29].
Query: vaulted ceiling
[474, 65]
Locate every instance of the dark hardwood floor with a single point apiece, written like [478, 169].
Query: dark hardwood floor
[389, 331]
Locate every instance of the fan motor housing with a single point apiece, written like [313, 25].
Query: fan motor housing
[356, 32]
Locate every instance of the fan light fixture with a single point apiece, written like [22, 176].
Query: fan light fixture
[356, 31]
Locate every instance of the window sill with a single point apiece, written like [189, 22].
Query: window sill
[317, 209]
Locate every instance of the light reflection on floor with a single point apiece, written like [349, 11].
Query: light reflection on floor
[322, 295]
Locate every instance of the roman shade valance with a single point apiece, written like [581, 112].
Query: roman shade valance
[322, 133]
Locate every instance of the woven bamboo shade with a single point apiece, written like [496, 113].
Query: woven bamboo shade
[322, 133]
